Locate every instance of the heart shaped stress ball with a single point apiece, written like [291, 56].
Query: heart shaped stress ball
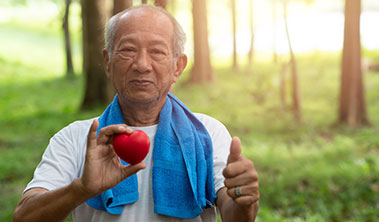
[132, 148]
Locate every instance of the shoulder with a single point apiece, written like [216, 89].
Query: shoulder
[74, 134]
[79, 128]
[63, 159]
[213, 125]
[220, 135]
[80, 125]
[71, 142]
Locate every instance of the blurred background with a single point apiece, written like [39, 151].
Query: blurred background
[296, 80]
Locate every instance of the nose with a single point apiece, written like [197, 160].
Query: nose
[142, 62]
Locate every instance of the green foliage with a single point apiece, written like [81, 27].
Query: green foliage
[32, 109]
[314, 171]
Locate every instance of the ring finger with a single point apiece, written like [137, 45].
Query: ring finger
[245, 190]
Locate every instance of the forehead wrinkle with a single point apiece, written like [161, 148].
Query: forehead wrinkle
[146, 16]
[133, 38]
[150, 18]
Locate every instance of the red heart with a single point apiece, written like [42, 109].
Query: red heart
[132, 148]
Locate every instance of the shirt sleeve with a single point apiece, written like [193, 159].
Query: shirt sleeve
[59, 165]
[221, 140]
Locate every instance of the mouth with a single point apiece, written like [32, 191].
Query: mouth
[141, 83]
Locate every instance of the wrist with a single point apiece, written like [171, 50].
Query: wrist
[245, 213]
[80, 190]
[250, 211]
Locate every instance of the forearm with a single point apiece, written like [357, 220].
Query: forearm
[55, 205]
[231, 212]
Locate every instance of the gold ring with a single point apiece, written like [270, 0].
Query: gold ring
[237, 191]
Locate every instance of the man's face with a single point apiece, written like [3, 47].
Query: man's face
[142, 66]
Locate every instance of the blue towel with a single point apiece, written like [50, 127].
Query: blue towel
[183, 165]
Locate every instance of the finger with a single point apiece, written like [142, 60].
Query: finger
[243, 179]
[246, 200]
[236, 168]
[106, 133]
[132, 169]
[235, 150]
[251, 189]
[91, 139]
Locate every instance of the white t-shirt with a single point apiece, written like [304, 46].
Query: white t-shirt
[63, 161]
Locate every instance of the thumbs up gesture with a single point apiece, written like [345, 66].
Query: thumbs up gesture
[241, 178]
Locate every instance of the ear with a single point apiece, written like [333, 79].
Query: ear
[181, 63]
[106, 63]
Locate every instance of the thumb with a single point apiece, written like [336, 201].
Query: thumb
[235, 150]
[132, 169]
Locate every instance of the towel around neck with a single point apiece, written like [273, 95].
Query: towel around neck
[182, 174]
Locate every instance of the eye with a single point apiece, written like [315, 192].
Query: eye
[158, 51]
[128, 49]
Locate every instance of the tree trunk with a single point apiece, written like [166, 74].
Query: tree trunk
[144, 1]
[160, 3]
[251, 50]
[294, 74]
[121, 5]
[234, 21]
[67, 41]
[283, 86]
[275, 34]
[352, 107]
[173, 7]
[97, 86]
[202, 70]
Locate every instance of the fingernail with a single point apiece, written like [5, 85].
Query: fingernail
[129, 130]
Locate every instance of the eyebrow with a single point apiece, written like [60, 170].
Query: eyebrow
[133, 40]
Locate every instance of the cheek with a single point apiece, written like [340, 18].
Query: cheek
[119, 75]
[120, 67]
[165, 71]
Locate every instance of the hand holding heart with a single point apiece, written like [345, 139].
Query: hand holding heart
[103, 169]
[241, 178]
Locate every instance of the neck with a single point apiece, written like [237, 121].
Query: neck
[141, 114]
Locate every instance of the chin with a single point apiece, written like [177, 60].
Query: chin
[141, 98]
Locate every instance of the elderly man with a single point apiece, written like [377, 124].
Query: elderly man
[192, 166]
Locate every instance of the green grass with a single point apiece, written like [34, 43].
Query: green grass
[313, 171]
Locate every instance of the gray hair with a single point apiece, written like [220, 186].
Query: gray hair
[179, 37]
